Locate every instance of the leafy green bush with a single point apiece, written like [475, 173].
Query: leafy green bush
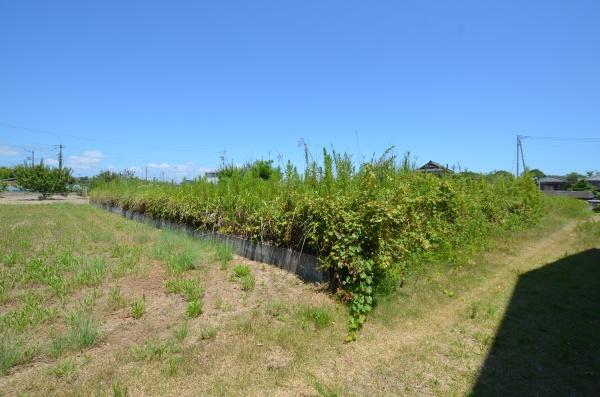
[366, 224]
[44, 180]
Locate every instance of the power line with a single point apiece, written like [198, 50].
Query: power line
[35, 130]
[46, 146]
[558, 138]
[563, 146]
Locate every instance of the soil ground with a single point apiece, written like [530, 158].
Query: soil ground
[33, 198]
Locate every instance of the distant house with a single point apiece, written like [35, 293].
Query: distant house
[551, 183]
[211, 176]
[594, 181]
[434, 168]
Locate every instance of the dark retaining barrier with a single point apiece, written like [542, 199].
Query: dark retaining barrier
[304, 265]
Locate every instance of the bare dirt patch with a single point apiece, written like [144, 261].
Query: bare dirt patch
[33, 198]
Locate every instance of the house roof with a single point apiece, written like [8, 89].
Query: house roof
[550, 179]
[432, 166]
[583, 195]
[594, 178]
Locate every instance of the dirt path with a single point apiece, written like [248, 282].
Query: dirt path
[409, 351]
[33, 198]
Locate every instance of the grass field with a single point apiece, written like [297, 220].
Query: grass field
[94, 304]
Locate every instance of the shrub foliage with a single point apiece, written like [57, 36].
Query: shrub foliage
[367, 224]
[44, 180]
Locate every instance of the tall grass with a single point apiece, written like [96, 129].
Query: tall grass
[366, 223]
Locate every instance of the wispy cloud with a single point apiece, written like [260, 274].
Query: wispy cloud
[6, 150]
[176, 169]
[86, 160]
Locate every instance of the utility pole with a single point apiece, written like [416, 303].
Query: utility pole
[60, 155]
[520, 152]
[518, 144]
[146, 177]
[222, 157]
[32, 158]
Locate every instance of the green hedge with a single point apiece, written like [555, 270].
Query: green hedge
[366, 226]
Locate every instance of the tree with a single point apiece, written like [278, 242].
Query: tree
[262, 169]
[6, 172]
[581, 184]
[572, 178]
[500, 174]
[536, 173]
[44, 180]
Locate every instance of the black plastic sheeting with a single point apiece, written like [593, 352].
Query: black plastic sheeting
[306, 266]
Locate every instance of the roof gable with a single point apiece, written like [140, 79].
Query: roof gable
[433, 166]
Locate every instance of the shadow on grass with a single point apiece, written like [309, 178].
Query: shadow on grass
[549, 341]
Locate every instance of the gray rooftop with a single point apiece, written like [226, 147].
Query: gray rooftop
[594, 178]
[550, 179]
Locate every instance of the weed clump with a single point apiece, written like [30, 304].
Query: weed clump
[194, 308]
[115, 298]
[191, 289]
[224, 253]
[208, 333]
[318, 316]
[12, 353]
[182, 261]
[83, 333]
[64, 369]
[244, 275]
[138, 308]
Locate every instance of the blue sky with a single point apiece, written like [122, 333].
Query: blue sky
[170, 85]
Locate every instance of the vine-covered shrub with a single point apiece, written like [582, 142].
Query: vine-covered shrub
[366, 225]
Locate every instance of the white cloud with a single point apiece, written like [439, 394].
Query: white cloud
[176, 169]
[8, 151]
[87, 159]
[202, 170]
[51, 162]
[162, 166]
